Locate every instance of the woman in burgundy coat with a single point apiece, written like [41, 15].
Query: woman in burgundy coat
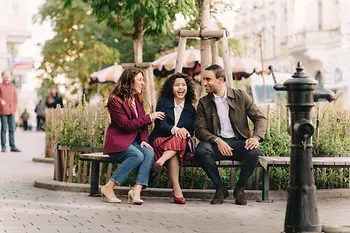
[126, 140]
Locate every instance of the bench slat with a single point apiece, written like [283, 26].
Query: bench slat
[264, 161]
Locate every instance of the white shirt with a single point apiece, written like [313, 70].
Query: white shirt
[135, 109]
[177, 113]
[223, 113]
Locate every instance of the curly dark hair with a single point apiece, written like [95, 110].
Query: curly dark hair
[124, 86]
[167, 88]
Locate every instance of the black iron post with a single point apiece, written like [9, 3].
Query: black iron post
[302, 214]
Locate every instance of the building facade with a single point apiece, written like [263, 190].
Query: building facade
[316, 32]
[15, 29]
[15, 21]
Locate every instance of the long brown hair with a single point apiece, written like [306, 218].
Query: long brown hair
[124, 87]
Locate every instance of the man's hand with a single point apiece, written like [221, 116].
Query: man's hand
[252, 143]
[145, 144]
[3, 102]
[224, 148]
[181, 133]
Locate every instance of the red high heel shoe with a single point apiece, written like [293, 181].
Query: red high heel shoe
[179, 200]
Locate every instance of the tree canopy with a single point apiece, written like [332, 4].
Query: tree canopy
[77, 49]
[81, 46]
[138, 18]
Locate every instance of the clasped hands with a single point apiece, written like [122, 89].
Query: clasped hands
[226, 150]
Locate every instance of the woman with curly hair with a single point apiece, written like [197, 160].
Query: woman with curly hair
[126, 139]
[170, 135]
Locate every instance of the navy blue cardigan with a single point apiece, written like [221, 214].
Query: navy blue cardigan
[163, 127]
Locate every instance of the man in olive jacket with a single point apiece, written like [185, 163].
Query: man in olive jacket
[222, 127]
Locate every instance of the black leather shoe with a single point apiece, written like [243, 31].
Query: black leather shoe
[220, 195]
[240, 197]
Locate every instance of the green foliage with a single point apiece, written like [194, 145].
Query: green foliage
[136, 19]
[76, 50]
[81, 126]
[334, 136]
[153, 16]
[238, 46]
[277, 143]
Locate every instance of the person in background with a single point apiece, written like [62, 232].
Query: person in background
[40, 115]
[50, 102]
[54, 98]
[57, 97]
[25, 117]
[169, 136]
[126, 139]
[8, 107]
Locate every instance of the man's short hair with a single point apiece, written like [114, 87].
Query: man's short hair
[2, 73]
[217, 70]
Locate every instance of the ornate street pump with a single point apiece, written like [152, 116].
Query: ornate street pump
[301, 214]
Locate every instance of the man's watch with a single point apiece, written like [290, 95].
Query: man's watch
[216, 139]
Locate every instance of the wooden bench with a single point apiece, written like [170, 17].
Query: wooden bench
[268, 162]
[265, 162]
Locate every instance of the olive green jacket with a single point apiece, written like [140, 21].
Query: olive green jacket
[241, 106]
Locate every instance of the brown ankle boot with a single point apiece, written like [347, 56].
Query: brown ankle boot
[240, 197]
[220, 195]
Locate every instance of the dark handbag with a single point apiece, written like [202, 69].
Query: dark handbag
[190, 150]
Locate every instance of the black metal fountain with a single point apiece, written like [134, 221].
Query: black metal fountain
[302, 93]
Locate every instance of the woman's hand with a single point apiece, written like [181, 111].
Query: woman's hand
[181, 133]
[145, 144]
[157, 115]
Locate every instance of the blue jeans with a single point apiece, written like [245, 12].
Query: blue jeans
[132, 158]
[8, 122]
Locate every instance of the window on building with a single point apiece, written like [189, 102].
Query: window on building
[14, 5]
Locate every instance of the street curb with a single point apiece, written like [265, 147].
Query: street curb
[43, 160]
[188, 193]
[336, 229]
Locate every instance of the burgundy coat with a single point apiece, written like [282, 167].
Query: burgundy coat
[125, 127]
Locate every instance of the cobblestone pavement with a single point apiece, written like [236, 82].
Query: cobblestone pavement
[24, 208]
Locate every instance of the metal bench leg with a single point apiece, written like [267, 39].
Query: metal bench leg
[95, 170]
[266, 186]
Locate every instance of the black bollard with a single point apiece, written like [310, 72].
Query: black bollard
[302, 214]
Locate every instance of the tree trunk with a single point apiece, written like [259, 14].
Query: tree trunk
[138, 41]
[204, 15]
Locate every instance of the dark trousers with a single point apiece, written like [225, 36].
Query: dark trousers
[40, 121]
[207, 153]
[25, 125]
[8, 124]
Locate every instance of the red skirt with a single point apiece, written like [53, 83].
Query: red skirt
[174, 143]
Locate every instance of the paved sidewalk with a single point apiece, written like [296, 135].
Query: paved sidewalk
[24, 208]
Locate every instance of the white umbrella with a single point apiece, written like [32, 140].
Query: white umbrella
[109, 74]
[168, 61]
[241, 66]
